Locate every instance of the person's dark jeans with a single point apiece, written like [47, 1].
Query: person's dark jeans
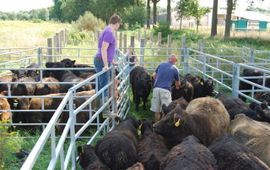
[103, 79]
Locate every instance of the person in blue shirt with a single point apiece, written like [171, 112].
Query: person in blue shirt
[164, 75]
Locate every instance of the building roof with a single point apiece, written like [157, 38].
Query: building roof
[252, 15]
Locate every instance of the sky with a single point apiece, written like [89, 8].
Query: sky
[23, 5]
[27, 5]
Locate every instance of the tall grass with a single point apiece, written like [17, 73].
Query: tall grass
[27, 34]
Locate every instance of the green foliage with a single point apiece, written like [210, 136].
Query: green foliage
[89, 22]
[9, 144]
[134, 17]
[163, 28]
[185, 7]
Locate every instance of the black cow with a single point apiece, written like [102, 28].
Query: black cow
[88, 158]
[185, 90]
[118, 148]
[232, 155]
[189, 154]
[246, 86]
[89, 70]
[151, 148]
[236, 106]
[65, 76]
[202, 88]
[141, 84]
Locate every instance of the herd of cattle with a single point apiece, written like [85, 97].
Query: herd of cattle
[194, 135]
[50, 90]
[195, 131]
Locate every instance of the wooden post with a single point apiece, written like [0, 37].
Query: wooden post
[169, 39]
[120, 41]
[132, 41]
[125, 43]
[139, 34]
[60, 41]
[49, 50]
[159, 38]
[54, 47]
[66, 36]
[142, 52]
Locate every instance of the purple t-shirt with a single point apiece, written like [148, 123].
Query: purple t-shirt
[165, 74]
[107, 36]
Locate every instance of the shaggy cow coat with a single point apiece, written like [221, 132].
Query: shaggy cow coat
[118, 148]
[206, 118]
[234, 156]
[253, 134]
[151, 148]
[189, 154]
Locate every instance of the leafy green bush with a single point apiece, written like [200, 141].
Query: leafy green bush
[9, 144]
[88, 22]
[78, 37]
[163, 28]
[133, 17]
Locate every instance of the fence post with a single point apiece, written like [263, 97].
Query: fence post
[142, 52]
[72, 131]
[125, 43]
[132, 41]
[60, 42]
[235, 79]
[169, 40]
[252, 55]
[159, 39]
[66, 36]
[139, 34]
[39, 56]
[120, 40]
[183, 48]
[186, 58]
[114, 100]
[49, 50]
[202, 57]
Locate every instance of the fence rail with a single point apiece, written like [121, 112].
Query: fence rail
[224, 69]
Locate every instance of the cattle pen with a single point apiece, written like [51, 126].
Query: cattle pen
[223, 67]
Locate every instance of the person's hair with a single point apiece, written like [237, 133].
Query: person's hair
[115, 19]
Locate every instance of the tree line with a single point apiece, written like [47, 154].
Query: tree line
[135, 13]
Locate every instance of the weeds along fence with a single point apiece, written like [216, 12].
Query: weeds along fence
[225, 72]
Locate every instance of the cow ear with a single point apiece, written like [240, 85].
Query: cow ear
[177, 120]
[80, 149]
[73, 61]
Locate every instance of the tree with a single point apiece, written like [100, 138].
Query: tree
[155, 11]
[214, 18]
[228, 19]
[198, 12]
[169, 12]
[56, 12]
[148, 13]
[184, 9]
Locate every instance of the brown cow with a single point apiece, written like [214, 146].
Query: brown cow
[206, 118]
[5, 115]
[253, 134]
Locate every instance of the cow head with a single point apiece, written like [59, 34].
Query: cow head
[171, 124]
[209, 87]
[68, 62]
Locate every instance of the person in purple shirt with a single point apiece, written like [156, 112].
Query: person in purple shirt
[106, 50]
[164, 75]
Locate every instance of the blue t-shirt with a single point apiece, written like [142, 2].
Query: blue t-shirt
[165, 74]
